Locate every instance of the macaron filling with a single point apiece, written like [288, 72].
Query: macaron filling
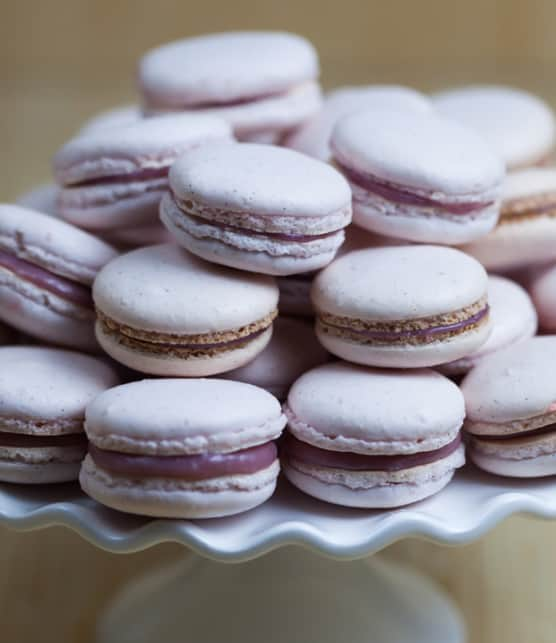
[29, 441]
[403, 195]
[183, 345]
[528, 207]
[411, 331]
[145, 174]
[308, 454]
[186, 467]
[58, 285]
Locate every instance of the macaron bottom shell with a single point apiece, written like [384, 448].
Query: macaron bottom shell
[39, 473]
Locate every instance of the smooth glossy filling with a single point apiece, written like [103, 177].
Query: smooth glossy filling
[309, 454]
[28, 441]
[61, 286]
[186, 467]
[147, 174]
[403, 195]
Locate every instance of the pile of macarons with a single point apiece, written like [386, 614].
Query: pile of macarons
[240, 276]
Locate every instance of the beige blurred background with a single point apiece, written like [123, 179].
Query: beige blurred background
[63, 60]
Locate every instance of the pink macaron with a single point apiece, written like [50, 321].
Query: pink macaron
[313, 136]
[402, 306]
[47, 267]
[257, 207]
[292, 351]
[513, 320]
[418, 176]
[511, 410]
[175, 448]
[371, 438]
[114, 177]
[543, 291]
[262, 83]
[43, 198]
[43, 395]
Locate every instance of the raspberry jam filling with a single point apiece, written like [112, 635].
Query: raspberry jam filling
[186, 467]
[146, 174]
[57, 285]
[27, 441]
[308, 454]
[398, 194]
[417, 332]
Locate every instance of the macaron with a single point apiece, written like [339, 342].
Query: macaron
[116, 117]
[513, 319]
[526, 230]
[543, 292]
[402, 306]
[519, 126]
[114, 177]
[174, 448]
[43, 198]
[313, 136]
[510, 399]
[43, 395]
[47, 267]
[371, 438]
[263, 83]
[292, 351]
[257, 207]
[418, 176]
[160, 310]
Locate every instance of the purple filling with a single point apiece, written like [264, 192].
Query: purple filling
[186, 467]
[227, 344]
[308, 454]
[133, 177]
[61, 286]
[236, 102]
[533, 433]
[419, 332]
[398, 194]
[29, 441]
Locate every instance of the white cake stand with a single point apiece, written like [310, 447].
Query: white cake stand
[293, 594]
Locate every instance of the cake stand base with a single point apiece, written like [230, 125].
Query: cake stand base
[288, 596]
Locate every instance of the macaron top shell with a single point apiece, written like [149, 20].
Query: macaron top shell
[533, 181]
[224, 67]
[151, 143]
[515, 383]
[178, 416]
[418, 150]
[519, 126]
[52, 243]
[163, 288]
[49, 384]
[259, 179]
[343, 407]
[399, 282]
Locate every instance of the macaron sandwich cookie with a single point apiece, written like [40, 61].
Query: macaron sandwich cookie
[372, 438]
[114, 177]
[162, 311]
[402, 306]
[43, 395]
[543, 292]
[511, 410]
[262, 83]
[513, 319]
[418, 176]
[526, 231]
[257, 207]
[175, 448]
[47, 267]
[519, 126]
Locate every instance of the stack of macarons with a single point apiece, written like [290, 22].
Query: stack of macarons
[283, 281]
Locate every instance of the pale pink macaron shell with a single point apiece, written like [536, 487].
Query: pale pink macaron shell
[182, 417]
[292, 350]
[43, 198]
[347, 408]
[543, 292]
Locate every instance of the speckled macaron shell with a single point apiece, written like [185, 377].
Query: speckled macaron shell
[165, 290]
[245, 206]
[43, 393]
[510, 398]
[116, 117]
[313, 137]
[348, 408]
[522, 237]
[60, 249]
[292, 351]
[399, 284]
[519, 126]
[174, 417]
[513, 319]
[543, 292]
[427, 157]
[93, 168]
[43, 198]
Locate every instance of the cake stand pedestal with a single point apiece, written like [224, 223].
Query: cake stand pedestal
[295, 592]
